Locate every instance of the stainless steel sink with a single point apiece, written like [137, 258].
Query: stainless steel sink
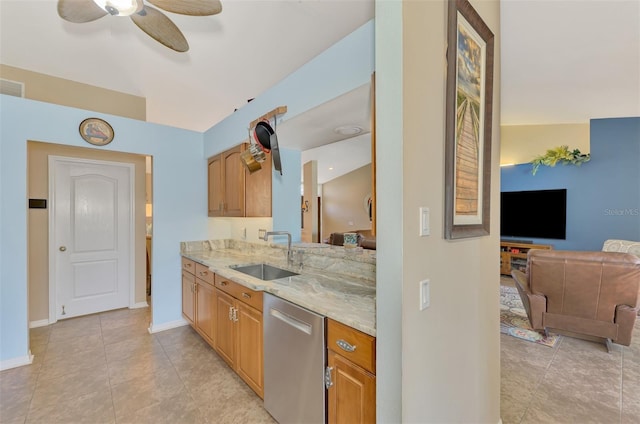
[263, 271]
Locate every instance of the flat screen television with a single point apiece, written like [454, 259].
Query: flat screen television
[535, 214]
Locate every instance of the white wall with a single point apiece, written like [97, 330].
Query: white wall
[389, 198]
[179, 212]
[443, 362]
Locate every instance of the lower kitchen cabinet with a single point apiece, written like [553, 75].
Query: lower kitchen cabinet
[351, 362]
[239, 331]
[188, 296]
[352, 397]
[249, 362]
[225, 328]
[228, 316]
[205, 311]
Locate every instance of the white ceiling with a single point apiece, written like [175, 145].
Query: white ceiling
[567, 61]
[563, 61]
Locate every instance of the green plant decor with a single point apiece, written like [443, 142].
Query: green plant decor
[560, 154]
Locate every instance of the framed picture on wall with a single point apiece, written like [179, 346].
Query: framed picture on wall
[469, 100]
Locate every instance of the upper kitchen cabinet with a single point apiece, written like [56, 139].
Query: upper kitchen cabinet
[258, 190]
[233, 191]
[226, 183]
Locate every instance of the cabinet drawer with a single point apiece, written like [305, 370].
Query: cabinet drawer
[188, 277]
[204, 273]
[244, 294]
[358, 347]
[188, 265]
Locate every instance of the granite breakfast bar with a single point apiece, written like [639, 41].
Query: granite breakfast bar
[333, 281]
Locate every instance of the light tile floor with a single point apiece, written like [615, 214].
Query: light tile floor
[576, 381]
[107, 368]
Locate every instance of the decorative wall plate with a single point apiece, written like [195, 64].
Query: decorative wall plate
[96, 131]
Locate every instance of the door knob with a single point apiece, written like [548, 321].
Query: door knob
[63, 248]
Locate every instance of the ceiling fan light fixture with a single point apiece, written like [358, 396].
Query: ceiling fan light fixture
[120, 7]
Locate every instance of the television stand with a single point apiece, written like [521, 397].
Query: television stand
[513, 255]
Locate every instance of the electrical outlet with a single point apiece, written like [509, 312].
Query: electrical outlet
[425, 295]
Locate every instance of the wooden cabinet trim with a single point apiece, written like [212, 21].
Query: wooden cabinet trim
[188, 265]
[244, 294]
[204, 273]
[352, 397]
[364, 354]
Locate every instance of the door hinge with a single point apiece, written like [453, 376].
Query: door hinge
[63, 312]
[327, 377]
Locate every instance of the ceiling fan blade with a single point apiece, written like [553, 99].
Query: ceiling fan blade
[189, 7]
[157, 25]
[79, 11]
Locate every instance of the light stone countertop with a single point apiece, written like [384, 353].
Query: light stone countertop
[336, 295]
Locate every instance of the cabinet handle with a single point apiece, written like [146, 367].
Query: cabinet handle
[187, 265]
[223, 283]
[246, 295]
[344, 345]
[235, 314]
[203, 273]
[230, 313]
[327, 377]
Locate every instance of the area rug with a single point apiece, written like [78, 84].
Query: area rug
[514, 321]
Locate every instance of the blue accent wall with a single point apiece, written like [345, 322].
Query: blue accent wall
[603, 195]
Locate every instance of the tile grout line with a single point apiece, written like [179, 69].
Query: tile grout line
[104, 349]
[39, 373]
[539, 383]
[179, 375]
[621, 383]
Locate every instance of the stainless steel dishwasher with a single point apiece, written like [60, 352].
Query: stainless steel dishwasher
[294, 361]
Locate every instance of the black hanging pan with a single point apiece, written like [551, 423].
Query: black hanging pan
[263, 133]
[268, 140]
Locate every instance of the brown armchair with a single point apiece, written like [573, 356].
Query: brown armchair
[590, 293]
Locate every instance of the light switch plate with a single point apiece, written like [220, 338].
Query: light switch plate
[425, 295]
[425, 229]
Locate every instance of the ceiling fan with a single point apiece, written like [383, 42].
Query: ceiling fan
[152, 21]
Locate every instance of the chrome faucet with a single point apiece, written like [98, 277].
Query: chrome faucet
[281, 233]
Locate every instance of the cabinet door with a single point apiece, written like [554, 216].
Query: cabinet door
[225, 340]
[249, 362]
[188, 296]
[205, 311]
[215, 186]
[233, 182]
[258, 190]
[352, 398]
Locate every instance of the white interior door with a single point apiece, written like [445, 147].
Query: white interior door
[91, 228]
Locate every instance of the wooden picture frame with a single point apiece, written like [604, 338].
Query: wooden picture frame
[469, 103]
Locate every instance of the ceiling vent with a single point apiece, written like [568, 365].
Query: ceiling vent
[11, 88]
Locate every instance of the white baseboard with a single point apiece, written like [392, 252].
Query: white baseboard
[39, 323]
[16, 362]
[139, 305]
[167, 326]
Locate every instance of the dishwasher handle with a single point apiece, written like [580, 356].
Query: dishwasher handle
[289, 320]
